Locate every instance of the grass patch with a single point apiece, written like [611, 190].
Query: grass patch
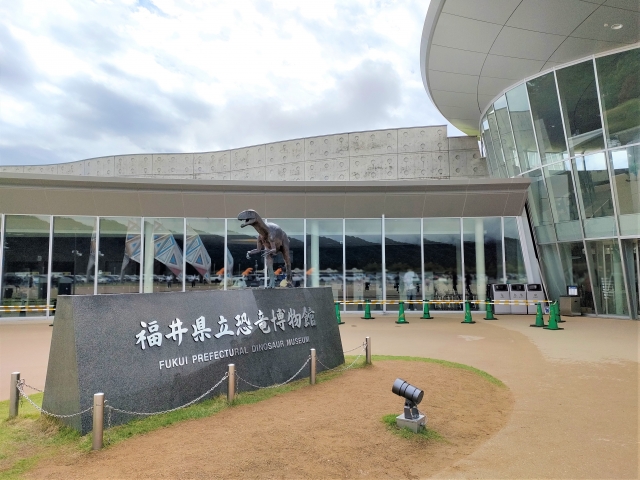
[29, 438]
[426, 434]
[444, 363]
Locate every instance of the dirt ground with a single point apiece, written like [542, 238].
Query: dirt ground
[575, 412]
[330, 430]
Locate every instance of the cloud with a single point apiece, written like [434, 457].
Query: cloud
[91, 79]
[16, 69]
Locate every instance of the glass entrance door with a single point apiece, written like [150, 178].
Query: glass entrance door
[631, 252]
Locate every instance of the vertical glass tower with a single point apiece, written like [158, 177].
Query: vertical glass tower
[575, 132]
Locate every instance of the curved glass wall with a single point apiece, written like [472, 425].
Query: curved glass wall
[378, 259]
[575, 132]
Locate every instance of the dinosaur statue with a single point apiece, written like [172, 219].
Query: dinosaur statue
[271, 241]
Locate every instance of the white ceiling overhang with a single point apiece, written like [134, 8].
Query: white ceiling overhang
[471, 51]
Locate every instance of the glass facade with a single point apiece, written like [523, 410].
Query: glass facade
[391, 259]
[575, 132]
[363, 260]
[25, 263]
[73, 256]
[443, 272]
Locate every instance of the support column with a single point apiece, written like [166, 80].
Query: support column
[481, 277]
[618, 281]
[149, 255]
[315, 254]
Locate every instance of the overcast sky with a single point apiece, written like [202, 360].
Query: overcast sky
[92, 78]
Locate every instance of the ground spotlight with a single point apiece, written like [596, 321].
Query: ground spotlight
[412, 417]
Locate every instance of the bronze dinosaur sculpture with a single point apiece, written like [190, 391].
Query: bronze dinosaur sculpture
[271, 241]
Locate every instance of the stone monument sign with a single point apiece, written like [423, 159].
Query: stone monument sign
[153, 352]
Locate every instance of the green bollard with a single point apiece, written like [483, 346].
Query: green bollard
[425, 311]
[553, 318]
[367, 310]
[340, 322]
[401, 318]
[490, 312]
[467, 313]
[539, 317]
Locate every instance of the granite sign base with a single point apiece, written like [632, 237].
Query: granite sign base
[157, 351]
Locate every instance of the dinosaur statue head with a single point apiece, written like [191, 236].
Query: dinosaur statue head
[249, 217]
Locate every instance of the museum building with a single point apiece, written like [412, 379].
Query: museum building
[551, 195]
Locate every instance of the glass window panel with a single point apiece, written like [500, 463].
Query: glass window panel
[119, 256]
[163, 247]
[403, 257]
[205, 254]
[631, 262]
[73, 256]
[525, 139]
[594, 192]
[482, 256]
[490, 153]
[625, 164]
[506, 137]
[363, 254]
[580, 107]
[324, 255]
[620, 94]
[545, 234]
[243, 272]
[610, 291]
[514, 261]
[539, 199]
[546, 118]
[574, 265]
[552, 271]
[25, 263]
[563, 201]
[495, 141]
[443, 261]
[294, 228]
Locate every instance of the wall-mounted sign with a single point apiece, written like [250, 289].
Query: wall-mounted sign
[152, 352]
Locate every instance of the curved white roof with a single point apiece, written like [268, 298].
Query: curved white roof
[472, 50]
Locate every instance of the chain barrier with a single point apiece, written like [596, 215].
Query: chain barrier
[363, 344]
[336, 369]
[110, 409]
[20, 386]
[279, 384]
[143, 414]
[32, 388]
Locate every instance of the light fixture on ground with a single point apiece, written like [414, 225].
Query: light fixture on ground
[412, 418]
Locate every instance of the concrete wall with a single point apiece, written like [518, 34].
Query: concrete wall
[398, 154]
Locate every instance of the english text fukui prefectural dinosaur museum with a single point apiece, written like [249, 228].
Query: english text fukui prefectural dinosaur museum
[543, 190]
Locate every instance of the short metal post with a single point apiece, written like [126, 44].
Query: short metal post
[231, 383]
[312, 377]
[368, 349]
[14, 395]
[98, 421]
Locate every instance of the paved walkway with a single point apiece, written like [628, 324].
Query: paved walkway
[576, 390]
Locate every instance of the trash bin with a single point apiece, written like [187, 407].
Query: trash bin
[534, 294]
[500, 292]
[518, 294]
[64, 285]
